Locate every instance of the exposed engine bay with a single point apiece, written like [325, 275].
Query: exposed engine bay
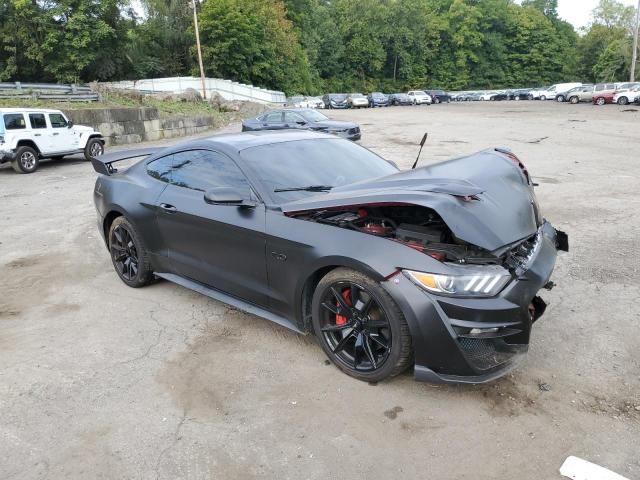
[417, 227]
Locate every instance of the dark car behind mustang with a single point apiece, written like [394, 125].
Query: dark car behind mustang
[436, 268]
[303, 119]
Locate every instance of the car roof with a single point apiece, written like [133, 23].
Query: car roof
[243, 140]
[28, 110]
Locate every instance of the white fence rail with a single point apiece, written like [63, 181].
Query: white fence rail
[225, 88]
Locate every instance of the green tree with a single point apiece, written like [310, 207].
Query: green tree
[160, 44]
[253, 41]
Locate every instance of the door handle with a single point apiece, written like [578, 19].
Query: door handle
[56, 133]
[37, 134]
[168, 208]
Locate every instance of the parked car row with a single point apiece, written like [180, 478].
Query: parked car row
[371, 100]
[621, 93]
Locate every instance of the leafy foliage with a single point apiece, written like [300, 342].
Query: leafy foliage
[314, 46]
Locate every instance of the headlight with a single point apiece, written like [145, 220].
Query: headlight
[478, 284]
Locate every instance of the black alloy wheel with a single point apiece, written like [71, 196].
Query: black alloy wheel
[124, 253]
[128, 254]
[360, 327]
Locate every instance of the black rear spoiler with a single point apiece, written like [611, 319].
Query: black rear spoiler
[103, 163]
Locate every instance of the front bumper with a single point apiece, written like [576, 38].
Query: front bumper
[447, 345]
[353, 134]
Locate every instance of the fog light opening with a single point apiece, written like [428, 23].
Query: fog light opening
[480, 331]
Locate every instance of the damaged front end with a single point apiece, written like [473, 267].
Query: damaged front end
[491, 251]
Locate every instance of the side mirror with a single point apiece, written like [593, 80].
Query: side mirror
[301, 122]
[226, 196]
[69, 124]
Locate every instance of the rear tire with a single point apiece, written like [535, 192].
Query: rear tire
[600, 101]
[27, 160]
[543, 97]
[623, 101]
[128, 254]
[364, 332]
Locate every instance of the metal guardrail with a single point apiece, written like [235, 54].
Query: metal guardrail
[47, 91]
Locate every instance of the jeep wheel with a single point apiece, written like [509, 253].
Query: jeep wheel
[94, 148]
[26, 161]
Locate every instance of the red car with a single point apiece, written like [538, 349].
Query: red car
[603, 97]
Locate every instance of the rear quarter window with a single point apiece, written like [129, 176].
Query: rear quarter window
[14, 121]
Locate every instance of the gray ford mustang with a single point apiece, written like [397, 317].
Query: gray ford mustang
[302, 119]
[436, 268]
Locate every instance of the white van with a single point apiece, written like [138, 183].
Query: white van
[551, 92]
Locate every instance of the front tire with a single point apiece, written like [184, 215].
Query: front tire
[128, 254]
[27, 160]
[93, 148]
[360, 327]
[600, 101]
[574, 100]
[560, 98]
[543, 97]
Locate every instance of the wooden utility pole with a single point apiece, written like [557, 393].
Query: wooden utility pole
[195, 21]
[634, 55]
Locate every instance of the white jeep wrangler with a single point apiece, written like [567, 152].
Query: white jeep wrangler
[27, 135]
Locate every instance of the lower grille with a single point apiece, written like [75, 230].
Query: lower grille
[354, 130]
[485, 353]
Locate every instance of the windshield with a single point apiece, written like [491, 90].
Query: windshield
[301, 163]
[337, 97]
[419, 92]
[313, 116]
[356, 95]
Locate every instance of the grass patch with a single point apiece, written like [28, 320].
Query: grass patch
[166, 108]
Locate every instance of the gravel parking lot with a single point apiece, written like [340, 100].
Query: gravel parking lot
[98, 380]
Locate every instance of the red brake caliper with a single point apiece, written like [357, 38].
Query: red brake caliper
[346, 294]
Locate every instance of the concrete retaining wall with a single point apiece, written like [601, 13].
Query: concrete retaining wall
[122, 126]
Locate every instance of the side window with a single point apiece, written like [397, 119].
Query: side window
[37, 120]
[57, 120]
[273, 117]
[291, 117]
[200, 170]
[14, 121]
[161, 168]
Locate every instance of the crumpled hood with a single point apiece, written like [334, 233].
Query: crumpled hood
[504, 212]
[333, 124]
